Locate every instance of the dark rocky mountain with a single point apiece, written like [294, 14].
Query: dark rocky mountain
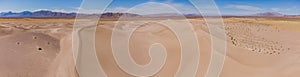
[172, 15]
[269, 14]
[192, 15]
[50, 14]
[118, 15]
[42, 13]
[293, 16]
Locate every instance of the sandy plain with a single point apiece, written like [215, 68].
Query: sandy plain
[256, 47]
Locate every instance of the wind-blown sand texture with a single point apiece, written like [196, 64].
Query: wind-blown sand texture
[256, 47]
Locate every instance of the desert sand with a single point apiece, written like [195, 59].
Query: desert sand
[256, 47]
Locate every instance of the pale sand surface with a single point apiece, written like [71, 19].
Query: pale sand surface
[256, 47]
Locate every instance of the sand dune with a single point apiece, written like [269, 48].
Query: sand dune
[256, 47]
[26, 53]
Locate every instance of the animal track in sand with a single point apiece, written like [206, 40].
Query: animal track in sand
[48, 43]
[21, 51]
[18, 43]
[40, 49]
[244, 35]
[34, 37]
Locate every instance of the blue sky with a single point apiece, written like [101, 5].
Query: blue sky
[227, 7]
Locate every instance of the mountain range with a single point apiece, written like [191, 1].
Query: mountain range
[42, 13]
[51, 14]
[270, 14]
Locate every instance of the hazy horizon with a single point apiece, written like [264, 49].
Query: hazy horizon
[226, 7]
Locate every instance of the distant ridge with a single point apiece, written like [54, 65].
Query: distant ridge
[173, 15]
[269, 14]
[118, 15]
[41, 13]
[51, 14]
